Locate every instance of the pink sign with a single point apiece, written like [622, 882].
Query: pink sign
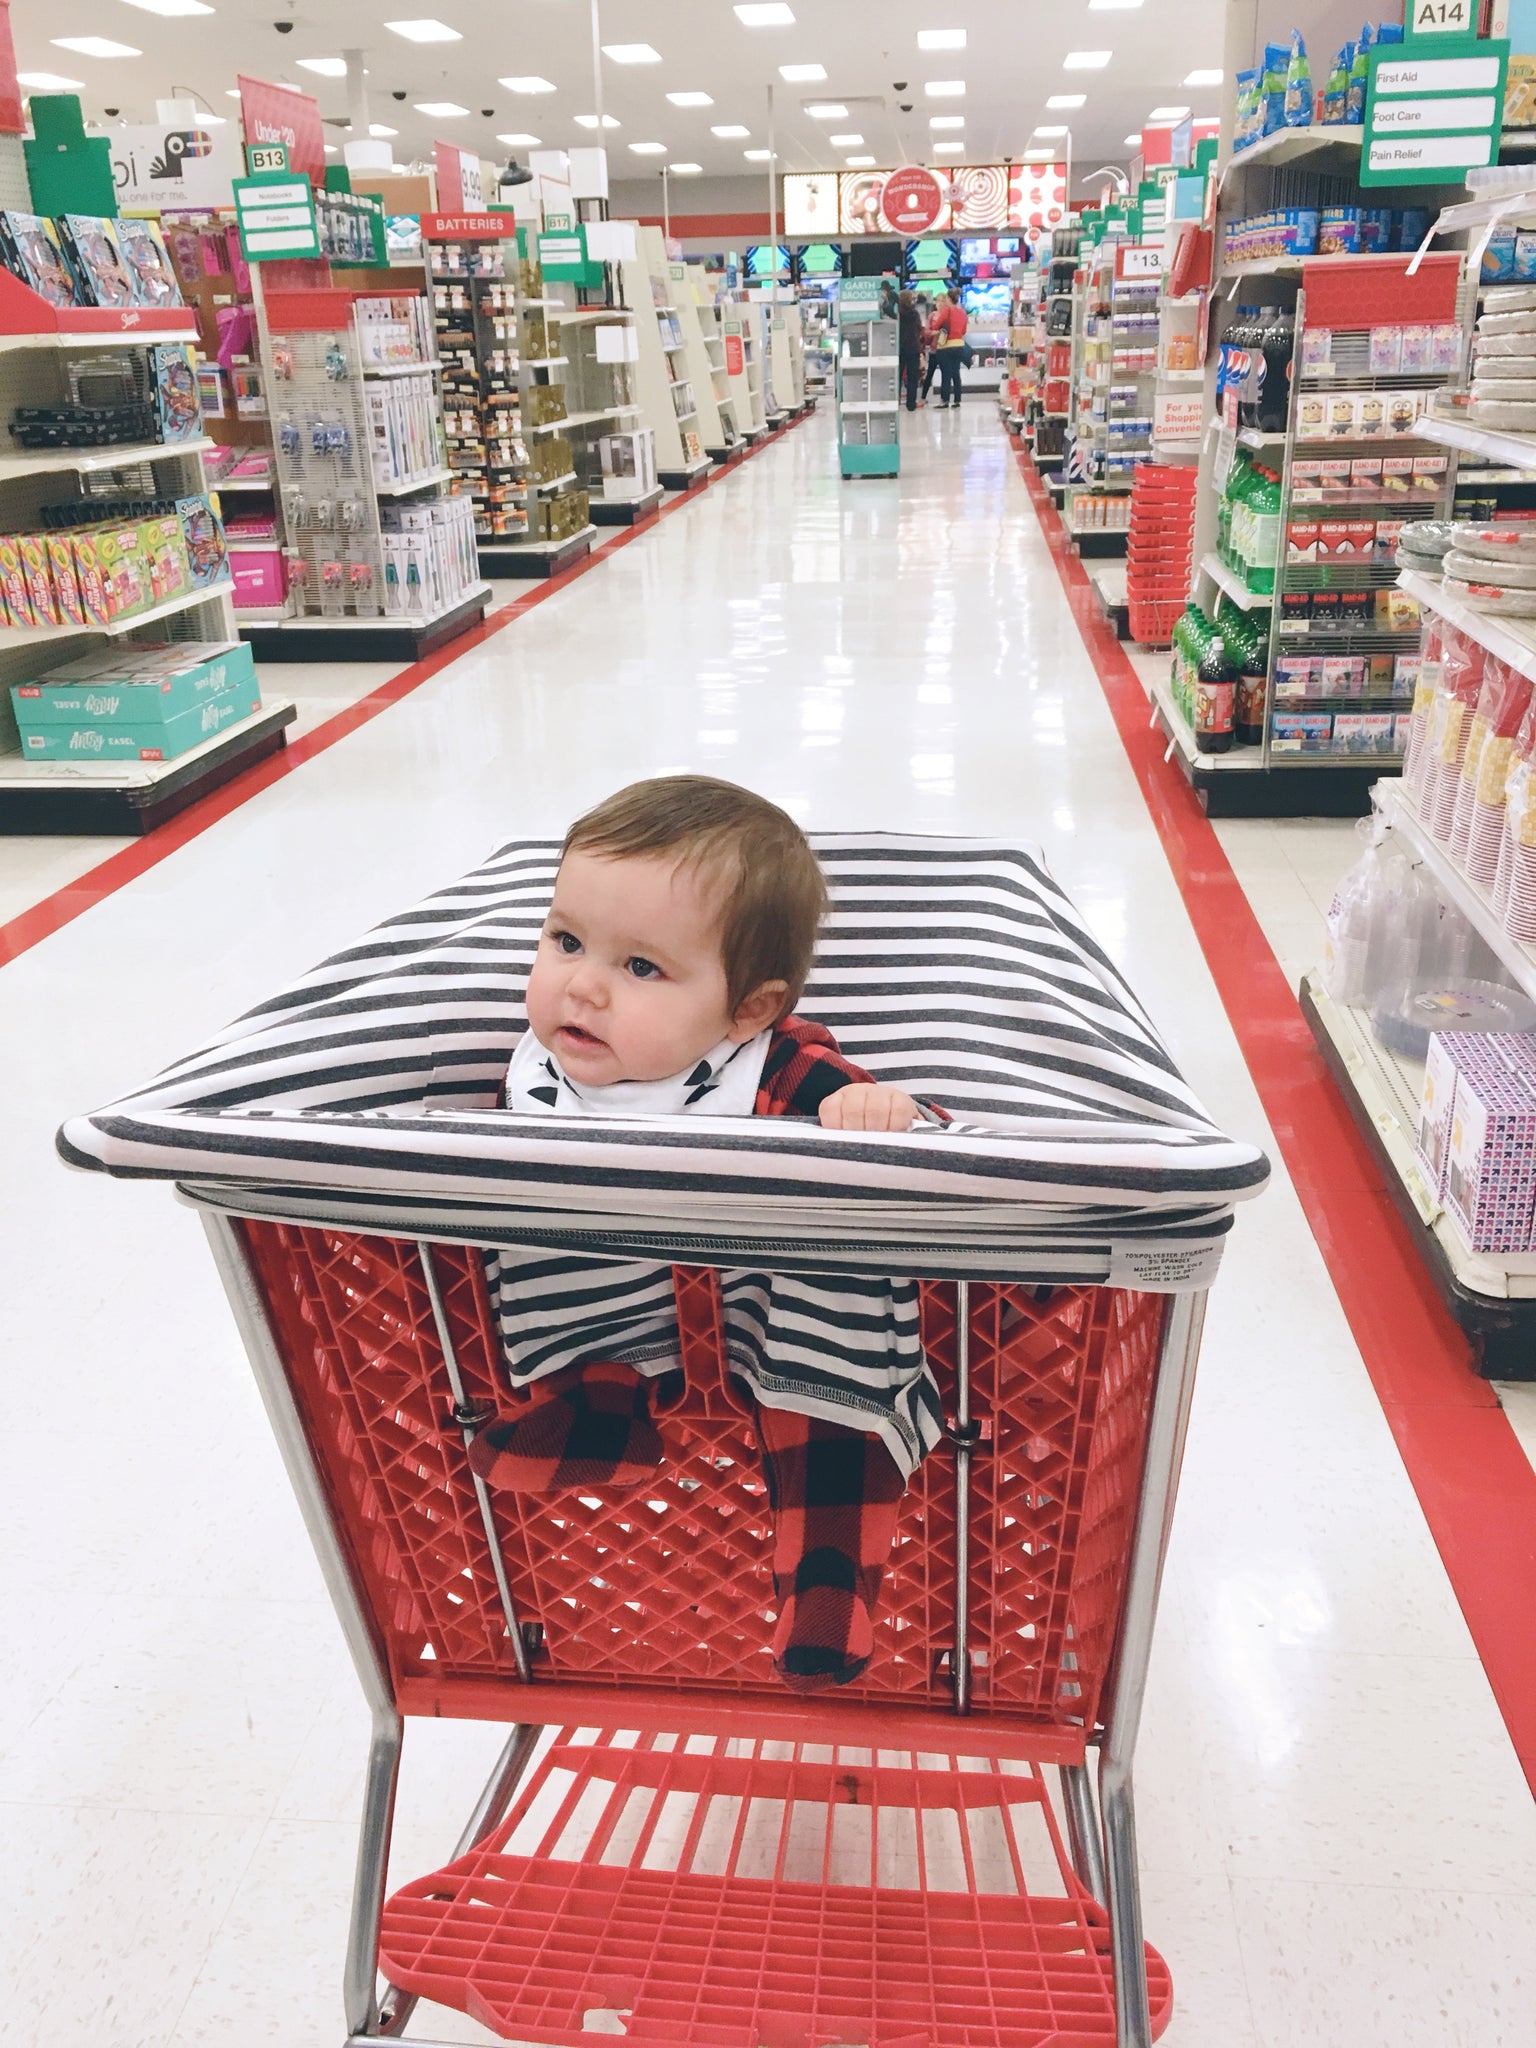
[913, 200]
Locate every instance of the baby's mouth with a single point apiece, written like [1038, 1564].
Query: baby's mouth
[586, 1041]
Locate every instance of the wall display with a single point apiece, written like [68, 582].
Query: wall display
[974, 198]
[155, 167]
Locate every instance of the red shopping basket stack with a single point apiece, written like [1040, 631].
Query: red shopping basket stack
[1158, 557]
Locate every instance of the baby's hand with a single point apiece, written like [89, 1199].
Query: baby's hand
[866, 1106]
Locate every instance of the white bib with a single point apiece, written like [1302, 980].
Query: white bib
[723, 1083]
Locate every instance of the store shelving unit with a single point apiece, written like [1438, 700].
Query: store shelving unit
[71, 796]
[357, 444]
[1344, 300]
[703, 358]
[868, 402]
[663, 384]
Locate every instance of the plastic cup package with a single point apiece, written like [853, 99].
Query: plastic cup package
[1489, 597]
[1505, 574]
[1407, 1015]
[1509, 542]
[1508, 298]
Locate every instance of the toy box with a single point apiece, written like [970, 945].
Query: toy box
[152, 740]
[92, 247]
[29, 247]
[176, 392]
[135, 688]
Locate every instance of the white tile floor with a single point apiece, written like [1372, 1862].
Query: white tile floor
[1338, 1842]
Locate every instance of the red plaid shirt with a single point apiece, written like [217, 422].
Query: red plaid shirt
[802, 1069]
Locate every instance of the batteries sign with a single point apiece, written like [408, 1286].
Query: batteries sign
[1434, 107]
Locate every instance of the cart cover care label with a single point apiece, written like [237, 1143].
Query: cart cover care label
[1165, 1268]
[276, 215]
[1434, 104]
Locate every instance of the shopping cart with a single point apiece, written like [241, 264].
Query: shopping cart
[672, 1846]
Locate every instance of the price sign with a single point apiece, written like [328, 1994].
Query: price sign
[266, 156]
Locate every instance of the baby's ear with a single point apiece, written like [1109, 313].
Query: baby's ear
[758, 1010]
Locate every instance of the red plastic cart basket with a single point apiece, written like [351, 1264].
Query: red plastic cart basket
[671, 1845]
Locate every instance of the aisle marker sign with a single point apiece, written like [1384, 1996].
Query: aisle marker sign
[276, 215]
[1434, 105]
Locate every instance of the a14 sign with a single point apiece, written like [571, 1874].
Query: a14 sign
[1440, 18]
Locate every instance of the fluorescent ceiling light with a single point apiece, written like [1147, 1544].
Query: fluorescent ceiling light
[847, 142]
[331, 149]
[733, 132]
[427, 31]
[690, 99]
[232, 92]
[324, 67]
[802, 74]
[685, 170]
[766, 14]
[1167, 113]
[1051, 131]
[95, 46]
[941, 39]
[827, 110]
[946, 120]
[859, 163]
[442, 110]
[1133, 141]
[171, 6]
[284, 86]
[758, 156]
[1038, 156]
[591, 121]
[948, 148]
[526, 84]
[631, 53]
[1204, 78]
[649, 148]
[945, 89]
[49, 81]
[516, 141]
[380, 133]
[1086, 60]
[1067, 99]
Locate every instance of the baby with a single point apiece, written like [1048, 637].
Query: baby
[682, 929]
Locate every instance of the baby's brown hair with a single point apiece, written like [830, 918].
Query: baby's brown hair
[773, 895]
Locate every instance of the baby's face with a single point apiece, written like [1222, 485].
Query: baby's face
[628, 984]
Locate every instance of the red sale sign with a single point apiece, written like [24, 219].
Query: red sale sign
[735, 355]
[913, 200]
[271, 113]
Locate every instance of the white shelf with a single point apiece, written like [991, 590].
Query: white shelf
[1237, 760]
[1251, 437]
[414, 483]
[252, 547]
[541, 362]
[244, 483]
[1512, 451]
[14, 344]
[555, 305]
[1512, 640]
[1456, 886]
[1181, 376]
[674, 348]
[584, 316]
[86, 461]
[18, 773]
[1292, 266]
[385, 622]
[870, 362]
[603, 412]
[551, 483]
[1286, 144]
[399, 369]
[1228, 580]
[533, 547]
[29, 636]
[860, 405]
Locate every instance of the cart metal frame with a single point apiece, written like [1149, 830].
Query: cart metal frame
[1099, 1816]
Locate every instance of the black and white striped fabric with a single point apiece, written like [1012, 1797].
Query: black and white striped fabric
[365, 1096]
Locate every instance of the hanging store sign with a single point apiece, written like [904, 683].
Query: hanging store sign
[563, 256]
[1433, 110]
[273, 113]
[155, 168]
[913, 200]
[276, 217]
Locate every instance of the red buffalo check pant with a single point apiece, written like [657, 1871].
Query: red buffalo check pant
[835, 1493]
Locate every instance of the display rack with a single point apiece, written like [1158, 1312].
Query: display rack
[380, 559]
[745, 364]
[664, 385]
[45, 353]
[868, 367]
[1367, 456]
[703, 359]
[711, 317]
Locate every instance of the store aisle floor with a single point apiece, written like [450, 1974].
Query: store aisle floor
[1338, 1842]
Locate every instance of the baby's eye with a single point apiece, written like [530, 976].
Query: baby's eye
[643, 969]
[566, 941]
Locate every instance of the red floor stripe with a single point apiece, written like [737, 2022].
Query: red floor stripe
[29, 927]
[1474, 1483]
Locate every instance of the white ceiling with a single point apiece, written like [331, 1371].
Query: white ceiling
[1012, 62]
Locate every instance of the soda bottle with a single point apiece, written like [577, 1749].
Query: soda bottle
[1277, 345]
[1241, 464]
[1215, 699]
[1252, 658]
[1251, 411]
[1262, 531]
